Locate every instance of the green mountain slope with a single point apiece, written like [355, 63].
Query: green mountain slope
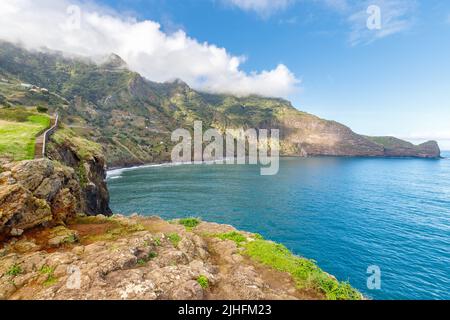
[132, 118]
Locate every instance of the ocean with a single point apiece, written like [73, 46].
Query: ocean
[345, 213]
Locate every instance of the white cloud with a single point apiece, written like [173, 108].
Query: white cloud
[340, 5]
[266, 8]
[146, 48]
[262, 7]
[396, 16]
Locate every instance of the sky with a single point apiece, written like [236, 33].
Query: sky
[390, 79]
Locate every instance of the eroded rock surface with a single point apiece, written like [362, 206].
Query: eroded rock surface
[138, 258]
[34, 193]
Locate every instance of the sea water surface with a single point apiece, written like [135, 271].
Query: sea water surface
[345, 213]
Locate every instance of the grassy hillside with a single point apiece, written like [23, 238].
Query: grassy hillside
[18, 130]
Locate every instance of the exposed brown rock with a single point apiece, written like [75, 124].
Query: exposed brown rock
[36, 192]
[141, 263]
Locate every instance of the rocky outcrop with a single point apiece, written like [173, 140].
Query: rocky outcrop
[139, 259]
[303, 134]
[394, 147]
[34, 193]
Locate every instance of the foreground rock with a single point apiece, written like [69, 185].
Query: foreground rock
[34, 193]
[121, 258]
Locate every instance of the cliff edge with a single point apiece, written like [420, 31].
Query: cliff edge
[151, 259]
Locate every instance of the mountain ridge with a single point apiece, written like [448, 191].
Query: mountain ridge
[133, 117]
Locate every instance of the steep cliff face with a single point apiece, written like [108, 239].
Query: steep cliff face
[89, 166]
[394, 147]
[307, 135]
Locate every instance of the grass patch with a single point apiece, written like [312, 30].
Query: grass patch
[18, 133]
[203, 282]
[233, 236]
[70, 239]
[305, 272]
[14, 270]
[82, 175]
[84, 148]
[46, 270]
[257, 236]
[174, 238]
[151, 255]
[189, 223]
[90, 220]
[113, 229]
[157, 242]
[49, 271]
[116, 231]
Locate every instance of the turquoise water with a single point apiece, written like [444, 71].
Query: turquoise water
[345, 213]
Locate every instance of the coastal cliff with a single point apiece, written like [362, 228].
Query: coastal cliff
[133, 118]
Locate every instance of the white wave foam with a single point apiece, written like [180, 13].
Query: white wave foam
[117, 173]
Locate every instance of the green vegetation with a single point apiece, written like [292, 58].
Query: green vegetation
[70, 239]
[390, 142]
[117, 231]
[49, 271]
[42, 109]
[189, 223]
[18, 131]
[174, 238]
[257, 236]
[157, 242]
[203, 282]
[114, 229]
[233, 236]
[85, 149]
[90, 220]
[46, 270]
[14, 270]
[82, 175]
[151, 255]
[305, 272]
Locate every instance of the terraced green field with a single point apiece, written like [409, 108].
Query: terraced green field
[18, 130]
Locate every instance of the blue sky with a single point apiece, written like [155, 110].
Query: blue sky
[399, 84]
[317, 53]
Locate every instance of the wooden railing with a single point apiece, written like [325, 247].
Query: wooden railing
[48, 133]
